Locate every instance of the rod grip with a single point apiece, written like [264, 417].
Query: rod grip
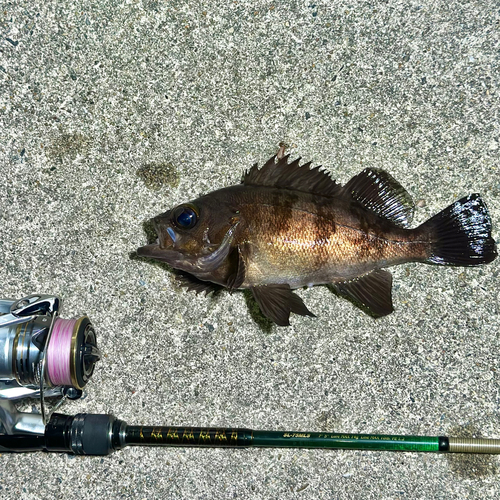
[84, 434]
[474, 445]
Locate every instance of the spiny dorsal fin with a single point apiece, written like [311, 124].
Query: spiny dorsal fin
[379, 192]
[372, 292]
[292, 176]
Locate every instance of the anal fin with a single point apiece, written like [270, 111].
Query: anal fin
[372, 292]
[278, 301]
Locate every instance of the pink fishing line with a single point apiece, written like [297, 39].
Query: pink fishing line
[59, 352]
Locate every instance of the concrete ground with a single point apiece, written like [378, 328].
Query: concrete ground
[113, 111]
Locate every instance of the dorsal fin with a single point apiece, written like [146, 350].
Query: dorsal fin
[292, 176]
[379, 192]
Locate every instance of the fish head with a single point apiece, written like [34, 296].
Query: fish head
[195, 237]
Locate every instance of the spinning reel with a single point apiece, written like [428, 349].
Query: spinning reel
[41, 356]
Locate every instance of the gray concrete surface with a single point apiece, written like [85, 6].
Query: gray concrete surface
[114, 111]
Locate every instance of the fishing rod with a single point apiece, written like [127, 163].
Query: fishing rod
[92, 434]
[44, 356]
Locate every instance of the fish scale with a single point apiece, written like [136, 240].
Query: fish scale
[299, 247]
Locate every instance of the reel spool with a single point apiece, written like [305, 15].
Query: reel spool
[69, 357]
[72, 353]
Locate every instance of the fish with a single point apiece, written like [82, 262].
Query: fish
[288, 226]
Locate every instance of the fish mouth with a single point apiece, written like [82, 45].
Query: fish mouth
[167, 237]
[164, 247]
[154, 251]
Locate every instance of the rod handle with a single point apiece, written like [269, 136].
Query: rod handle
[474, 445]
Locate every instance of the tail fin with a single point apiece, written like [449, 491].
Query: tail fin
[461, 234]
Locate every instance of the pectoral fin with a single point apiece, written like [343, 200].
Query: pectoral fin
[373, 292]
[237, 278]
[278, 301]
[194, 284]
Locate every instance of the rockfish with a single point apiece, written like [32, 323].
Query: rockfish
[288, 226]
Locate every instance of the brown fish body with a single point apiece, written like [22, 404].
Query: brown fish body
[288, 226]
[302, 239]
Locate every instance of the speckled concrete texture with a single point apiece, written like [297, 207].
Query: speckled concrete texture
[113, 111]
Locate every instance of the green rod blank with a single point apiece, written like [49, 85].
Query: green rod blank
[241, 438]
[347, 441]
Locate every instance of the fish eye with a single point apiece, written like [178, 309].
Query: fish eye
[185, 217]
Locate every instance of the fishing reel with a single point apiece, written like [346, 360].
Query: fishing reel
[41, 356]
